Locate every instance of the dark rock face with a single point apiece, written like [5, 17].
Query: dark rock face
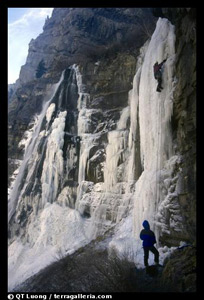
[72, 35]
[184, 115]
[180, 270]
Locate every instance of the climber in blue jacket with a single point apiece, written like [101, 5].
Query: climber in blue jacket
[149, 240]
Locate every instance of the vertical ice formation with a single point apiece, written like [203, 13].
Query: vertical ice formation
[52, 173]
[133, 167]
[109, 202]
[30, 152]
[17, 163]
[23, 144]
[83, 124]
[104, 203]
[155, 197]
[28, 133]
[155, 110]
[116, 152]
[53, 226]
[88, 139]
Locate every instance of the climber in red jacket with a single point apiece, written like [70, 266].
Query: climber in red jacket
[158, 74]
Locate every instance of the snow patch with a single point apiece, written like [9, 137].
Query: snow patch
[56, 231]
[126, 245]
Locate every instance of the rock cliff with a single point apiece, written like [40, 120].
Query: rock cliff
[73, 35]
[183, 120]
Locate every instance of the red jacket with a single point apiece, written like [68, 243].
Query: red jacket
[157, 67]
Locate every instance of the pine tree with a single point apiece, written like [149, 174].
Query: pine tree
[41, 69]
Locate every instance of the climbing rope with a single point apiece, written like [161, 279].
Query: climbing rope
[158, 159]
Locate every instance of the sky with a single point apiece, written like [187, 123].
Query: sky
[23, 25]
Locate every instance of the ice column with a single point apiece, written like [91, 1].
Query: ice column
[116, 150]
[155, 110]
[53, 164]
[83, 125]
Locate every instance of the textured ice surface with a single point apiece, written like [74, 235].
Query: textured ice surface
[155, 110]
[57, 231]
[52, 174]
[30, 151]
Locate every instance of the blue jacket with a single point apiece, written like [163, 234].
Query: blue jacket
[147, 235]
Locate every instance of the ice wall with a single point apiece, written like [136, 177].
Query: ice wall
[156, 191]
[52, 174]
[155, 111]
[116, 151]
[32, 144]
[106, 202]
[42, 199]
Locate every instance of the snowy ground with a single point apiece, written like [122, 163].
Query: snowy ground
[26, 260]
[125, 244]
[57, 232]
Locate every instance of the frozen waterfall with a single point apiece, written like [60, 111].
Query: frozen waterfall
[138, 168]
[30, 151]
[155, 194]
[45, 188]
[155, 110]
[116, 150]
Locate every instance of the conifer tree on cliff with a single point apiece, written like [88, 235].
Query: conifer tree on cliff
[41, 69]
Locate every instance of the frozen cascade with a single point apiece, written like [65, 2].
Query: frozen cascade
[116, 150]
[88, 139]
[23, 144]
[54, 228]
[30, 149]
[58, 225]
[102, 200]
[155, 110]
[83, 125]
[156, 188]
[28, 133]
[53, 164]
[111, 204]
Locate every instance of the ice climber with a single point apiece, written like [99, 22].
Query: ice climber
[149, 240]
[158, 74]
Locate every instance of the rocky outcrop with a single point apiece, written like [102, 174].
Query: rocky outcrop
[184, 112]
[73, 35]
[180, 270]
